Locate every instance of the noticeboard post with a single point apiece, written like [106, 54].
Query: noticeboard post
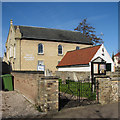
[97, 68]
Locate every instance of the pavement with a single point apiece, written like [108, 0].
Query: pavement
[14, 105]
[90, 111]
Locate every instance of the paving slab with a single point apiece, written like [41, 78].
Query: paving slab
[14, 105]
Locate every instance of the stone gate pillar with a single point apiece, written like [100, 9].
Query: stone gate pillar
[48, 93]
[108, 90]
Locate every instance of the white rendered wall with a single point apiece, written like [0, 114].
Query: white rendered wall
[106, 56]
[116, 61]
[77, 69]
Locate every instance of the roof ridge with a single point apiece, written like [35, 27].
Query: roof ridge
[48, 28]
[84, 48]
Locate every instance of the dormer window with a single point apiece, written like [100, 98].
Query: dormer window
[40, 48]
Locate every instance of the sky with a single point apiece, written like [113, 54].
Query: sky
[103, 16]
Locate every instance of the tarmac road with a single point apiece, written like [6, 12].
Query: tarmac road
[90, 111]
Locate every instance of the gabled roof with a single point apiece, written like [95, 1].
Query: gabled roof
[118, 54]
[53, 35]
[79, 57]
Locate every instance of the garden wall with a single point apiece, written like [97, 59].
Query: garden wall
[39, 90]
[73, 75]
[108, 90]
[26, 82]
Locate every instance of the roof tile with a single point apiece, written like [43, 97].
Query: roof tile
[78, 57]
[53, 34]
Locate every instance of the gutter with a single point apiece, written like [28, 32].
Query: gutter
[57, 40]
[81, 65]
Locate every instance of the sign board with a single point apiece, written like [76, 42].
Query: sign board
[102, 68]
[41, 68]
[95, 68]
[29, 57]
[98, 68]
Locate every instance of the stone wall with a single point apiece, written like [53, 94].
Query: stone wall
[26, 82]
[73, 75]
[48, 94]
[108, 90]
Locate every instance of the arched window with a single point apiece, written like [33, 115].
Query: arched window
[77, 48]
[60, 52]
[40, 48]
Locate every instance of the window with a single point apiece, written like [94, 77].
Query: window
[77, 48]
[108, 67]
[40, 62]
[14, 51]
[40, 48]
[60, 52]
[8, 55]
[103, 51]
[11, 51]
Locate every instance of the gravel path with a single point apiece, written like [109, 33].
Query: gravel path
[14, 105]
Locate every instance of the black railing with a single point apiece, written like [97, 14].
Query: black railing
[78, 91]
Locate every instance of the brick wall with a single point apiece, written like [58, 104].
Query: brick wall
[40, 90]
[26, 82]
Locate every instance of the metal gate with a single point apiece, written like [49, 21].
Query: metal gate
[77, 93]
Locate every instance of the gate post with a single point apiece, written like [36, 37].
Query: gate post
[48, 94]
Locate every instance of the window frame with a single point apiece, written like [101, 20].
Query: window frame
[61, 50]
[14, 51]
[41, 53]
[77, 47]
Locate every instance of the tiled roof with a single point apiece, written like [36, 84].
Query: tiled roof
[117, 54]
[78, 57]
[49, 34]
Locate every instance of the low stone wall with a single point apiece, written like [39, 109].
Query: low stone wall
[114, 96]
[48, 94]
[26, 82]
[73, 75]
[108, 90]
